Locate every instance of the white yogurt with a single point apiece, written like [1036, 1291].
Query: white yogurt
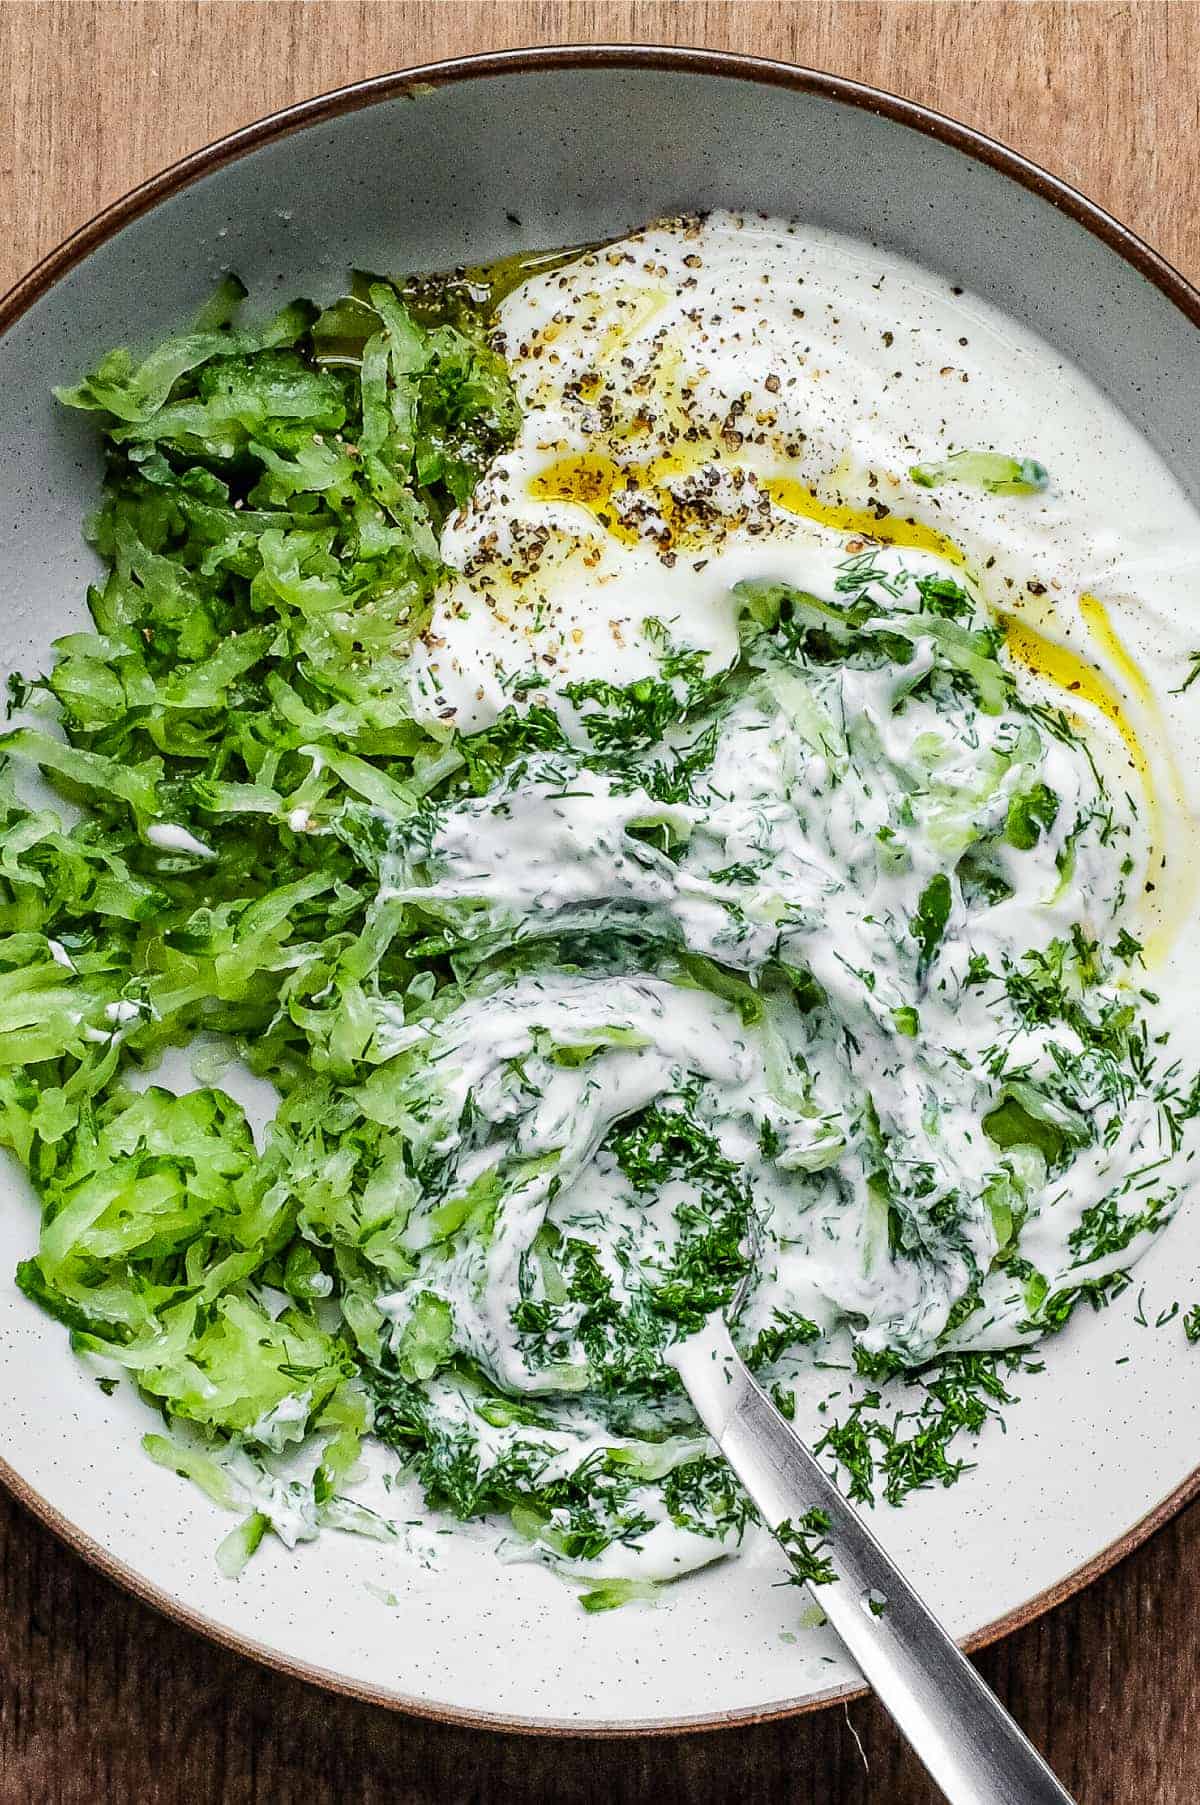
[711, 403]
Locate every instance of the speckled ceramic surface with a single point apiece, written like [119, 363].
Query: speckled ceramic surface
[466, 163]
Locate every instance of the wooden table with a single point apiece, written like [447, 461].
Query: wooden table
[101, 1700]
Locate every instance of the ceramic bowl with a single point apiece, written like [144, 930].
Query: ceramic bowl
[468, 161]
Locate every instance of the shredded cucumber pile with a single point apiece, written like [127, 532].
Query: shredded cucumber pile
[833, 945]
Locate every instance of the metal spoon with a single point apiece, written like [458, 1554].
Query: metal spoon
[956, 1725]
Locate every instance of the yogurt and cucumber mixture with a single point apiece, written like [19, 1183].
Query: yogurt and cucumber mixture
[665, 759]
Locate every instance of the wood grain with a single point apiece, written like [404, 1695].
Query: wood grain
[100, 1699]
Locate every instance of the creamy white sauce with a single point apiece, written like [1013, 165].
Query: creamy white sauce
[170, 837]
[738, 400]
[844, 363]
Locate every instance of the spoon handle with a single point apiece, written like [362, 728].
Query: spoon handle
[955, 1723]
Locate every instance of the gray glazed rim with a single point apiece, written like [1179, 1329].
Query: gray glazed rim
[410, 83]
[667, 58]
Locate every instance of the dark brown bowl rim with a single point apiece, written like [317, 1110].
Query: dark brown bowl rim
[350, 99]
